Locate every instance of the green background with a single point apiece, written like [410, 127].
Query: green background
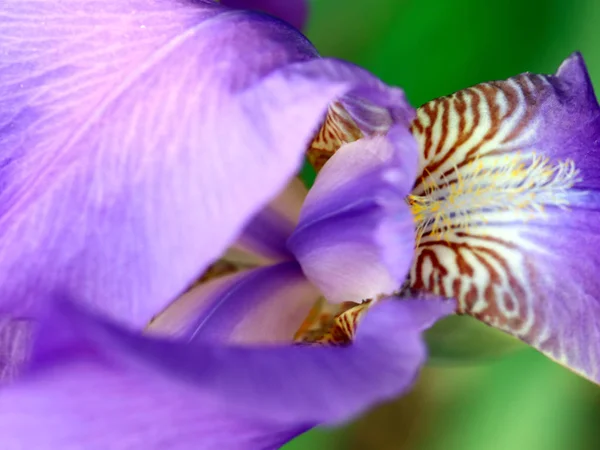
[477, 393]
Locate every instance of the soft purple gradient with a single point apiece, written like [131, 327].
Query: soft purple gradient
[138, 137]
[353, 241]
[347, 240]
[94, 384]
[295, 12]
[120, 154]
[267, 304]
[570, 120]
[266, 234]
[565, 257]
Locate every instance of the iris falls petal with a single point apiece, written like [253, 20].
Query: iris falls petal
[185, 392]
[507, 204]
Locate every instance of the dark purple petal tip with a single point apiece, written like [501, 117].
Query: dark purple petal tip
[294, 12]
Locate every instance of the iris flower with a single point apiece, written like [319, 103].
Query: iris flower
[149, 147]
[158, 292]
[506, 203]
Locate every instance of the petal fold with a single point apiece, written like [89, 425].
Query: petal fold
[508, 205]
[295, 12]
[135, 392]
[266, 234]
[267, 304]
[123, 124]
[355, 237]
[117, 161]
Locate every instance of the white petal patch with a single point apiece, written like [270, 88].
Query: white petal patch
[518, 185]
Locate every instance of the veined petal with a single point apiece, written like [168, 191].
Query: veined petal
[135, 392]
[294, 12]
[263, 240]
[122, 125]
[355, 237]
[124, 409]
[338, 128]
[267, 304]
[507, 205]
[118, 163]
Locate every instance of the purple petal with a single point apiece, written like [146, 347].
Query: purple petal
[266, 234]
[138, 392]
[294, 12]
[267, 304]
[355, 238]
[570, 125]
[106, 140]
[139, 137]
[15, 339]
[524, 155]
[122, 408]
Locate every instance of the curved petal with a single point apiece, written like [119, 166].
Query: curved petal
[123, 408]
[348, 120]
[116, 157]
[139, 392]
[266, 234]
[355, 237]
[117, 161]
[508, 206]
[267, 304]
[294, 12]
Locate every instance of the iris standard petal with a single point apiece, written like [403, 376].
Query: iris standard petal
[267, 304]
[123, 125]
[294, 12]
[145, 393]
[117, 157]
[355, 237]
[508, 204]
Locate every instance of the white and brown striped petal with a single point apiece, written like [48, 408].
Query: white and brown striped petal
[507, 201]
[337, 129]
[347, 121]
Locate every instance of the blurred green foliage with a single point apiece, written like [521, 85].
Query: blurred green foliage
[436, 47]
[506, 400]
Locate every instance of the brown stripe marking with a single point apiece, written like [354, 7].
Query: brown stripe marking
[502, 102]
[338, 129]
